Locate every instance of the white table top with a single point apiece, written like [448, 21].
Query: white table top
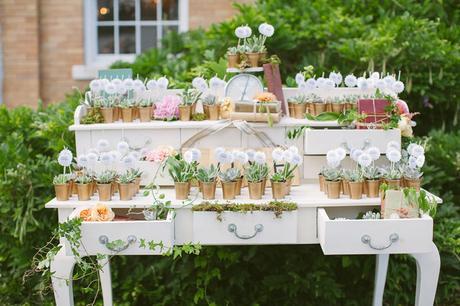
[306, 195]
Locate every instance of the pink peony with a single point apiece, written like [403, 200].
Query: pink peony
[160, 154]
[168, 108]
[402, 106]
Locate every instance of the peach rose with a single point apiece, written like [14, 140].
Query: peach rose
[265, 97]
[85, 214]
[101, 212]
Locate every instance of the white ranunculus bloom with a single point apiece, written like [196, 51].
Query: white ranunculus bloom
[196, 154]
[299, 78]
[364, 160]
[251, 154]
[115, 155]
[412, 162]
[398, 87]
[350, 80]
[355, 154]
[110, 89]
[224, 157]
[215, 83]
[121, 89]
[241, 157]
[123, 147]
[152, 85]
[102, 145]
[393, 155]
[389, 81]
[374, 152]
[66, 152]
[260, 158]
[188, 156]
[321, 82]
[240, 32]
[375, 76]
[341, 153]
[329, 83]
[95, 85]
[380, 84]
[294, 149]
[415, 150]
[393, 145]
[336, 77]
[363, 84]
[128, 161]
[311, 83]
[332, 157]
[333, 164]
[139, 85]
[129, 83]
[420, 161]
[162, 83]
[116, 82]
[247, 31]
[82, 161]
[266, 29]
[218, 150]
[106, 158]
[287, 156]
[64, 160]
[92, 157]
[198, 81]
[296, 159]
[277, 155]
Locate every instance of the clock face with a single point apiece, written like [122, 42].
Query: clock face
[243, 87]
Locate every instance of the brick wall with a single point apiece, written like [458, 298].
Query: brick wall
[19, 21]
[203, 13]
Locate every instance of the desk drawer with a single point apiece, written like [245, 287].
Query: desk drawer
[318, 142]
[124, 237]
[237, 228]
[372, 236]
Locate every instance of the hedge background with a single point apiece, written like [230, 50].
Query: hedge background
[420, 38]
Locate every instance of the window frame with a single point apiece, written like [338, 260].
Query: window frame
[93, 58]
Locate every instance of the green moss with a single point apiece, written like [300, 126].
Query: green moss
[277, 207]
[93, 116]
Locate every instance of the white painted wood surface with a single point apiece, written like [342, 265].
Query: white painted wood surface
[345, 236]
[208, 230]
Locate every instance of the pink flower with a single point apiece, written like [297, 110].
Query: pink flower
[160, 154]
[168, 108]
[402, 107]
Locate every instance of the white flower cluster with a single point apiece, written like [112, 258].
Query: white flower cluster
[223, 156]
[65, 158]
[416, 156]
[215, 84]
[265, 29]
[334, 157]
[290, 155]
[192, 155]
[393, 152]
[387, 84]
[364, 158]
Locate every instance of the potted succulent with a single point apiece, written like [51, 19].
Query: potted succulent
[255, 174]
[84, 183]
[279, 185]
[292, 160]
[228, 180]
[189, 98]
[233, 57]
[332, 178]
[211, 107]
[104, 185]
[124, 186]
[412, 170]
[182, 170]
[372, 175]
[106, 108]
[253, 48]
[145, 110]
[299, 103]
[61, 187]
[266, 30]
[345, 179]
[337, 106]
[126, 110]
[137, 174]
[393, 174]
[207, 177]
[355, 183]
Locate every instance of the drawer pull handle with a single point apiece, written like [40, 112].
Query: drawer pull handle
[115, 246]
[349, 148]
[366, 239]
[257, 229]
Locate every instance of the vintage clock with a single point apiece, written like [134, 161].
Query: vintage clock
[243, 87]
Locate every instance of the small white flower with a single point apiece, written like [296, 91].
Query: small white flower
[341, 153]
[296, 159]
[355, 154]
[393, 155]
[64, 160]
[135, 155]
[412, 162]
[66, 152]
[251, 154]
[332, 157]
[336, 77]
[224, 157]
[294, 149]
[260, 158]
[128, 161]
[241, 157]
[121, 89]
[116, 82]
[116, 156]
[380, 84]
[415, 150]
[363, 83]
[321, 82]
[333, 163]
[240, 32]
[123, 147]
[82, 161]
[364, 160]
[198, 81]
[162, 83]
[102, 145]
[389, 81]
[218, 150]
[287, 155]
[374, 152]
[106, 158]
[375, 76]
[188, 156]
[95, 86]
[277, 155]
[196, 154]
[247, 31]
[152, 85]
[311, 83]
[420, 161]
[350, 80]
[393, 145]
[266, 29]
[398, 87]
[128, 83]
[92, 157]
[139, 86]
[110, 89]
[394, 216]
[329, 83]
[299, 78]
[215, 83]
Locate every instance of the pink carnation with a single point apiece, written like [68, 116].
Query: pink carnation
[402, 106]
[168, 108]
[160, 154]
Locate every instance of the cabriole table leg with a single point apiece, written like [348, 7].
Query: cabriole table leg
[106, 281]
[428, 265]
[62, 269]
[381, 267]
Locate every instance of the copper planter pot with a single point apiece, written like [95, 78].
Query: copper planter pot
[232, 60]
[262, 57]
[288, 186]
[145, 114]
[132, 189]
[291, 109]
[228, 190]
[328, 107]
[321, 182]
[208, 190]
[278, 190]
[253, 59]
[137, 182]
[255, 190]
[84, 191]
[264, 185]
[333, 189]
[182, 190]
[299, 111]
[345, 187]
[124, 191]
[104, 191]
[127, 114]
[62, 192]
[372, 188]
[319, 108]
[107, 113]
[135, 113]
[114, 188]
[310, 108]
[393, 183]
[116, 113]
[211, 112]
[238, 186]
[185, 112]
[337, 107]
[413, 183]
[365, 188]
[356, 190]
